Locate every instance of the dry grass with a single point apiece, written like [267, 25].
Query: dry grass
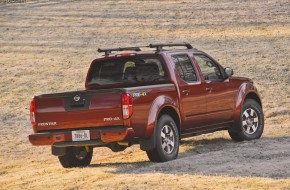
[47, 46]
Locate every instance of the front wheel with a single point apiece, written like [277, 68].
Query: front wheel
[167, 141]
[76, 157]
[251, 123]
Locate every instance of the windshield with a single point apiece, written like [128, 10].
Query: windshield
[126, 70]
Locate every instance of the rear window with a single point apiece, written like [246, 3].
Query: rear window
[127, 70]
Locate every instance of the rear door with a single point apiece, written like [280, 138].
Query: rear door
[192, 92]
[219, 96]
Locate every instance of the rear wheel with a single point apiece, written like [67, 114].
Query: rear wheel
[167, 141]
[251, 123]
[76, 157]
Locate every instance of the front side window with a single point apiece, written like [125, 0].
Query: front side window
[209, 69]
[127, 70]
[184, 68]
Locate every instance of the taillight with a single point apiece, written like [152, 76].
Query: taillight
[32, 112]
[127, 105]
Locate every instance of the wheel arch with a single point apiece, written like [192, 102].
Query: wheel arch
[254, 96]
[246, 91]
[173, 113]
[161, 105]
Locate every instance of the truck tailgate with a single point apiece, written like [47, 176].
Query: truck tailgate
[79, 109]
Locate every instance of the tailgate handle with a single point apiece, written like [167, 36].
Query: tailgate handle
[77, 102]
[78, 105]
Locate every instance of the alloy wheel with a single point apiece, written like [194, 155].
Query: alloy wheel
[167, 139]
[250, 121]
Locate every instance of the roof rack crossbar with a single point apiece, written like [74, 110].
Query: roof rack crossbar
[161, 45]
[109, 50]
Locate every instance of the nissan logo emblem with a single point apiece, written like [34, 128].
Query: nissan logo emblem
[77, 98]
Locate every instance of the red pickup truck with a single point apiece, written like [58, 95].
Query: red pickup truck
[152, 98]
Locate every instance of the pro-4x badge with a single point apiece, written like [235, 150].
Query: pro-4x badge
[138, 94]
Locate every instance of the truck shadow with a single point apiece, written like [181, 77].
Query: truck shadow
[266, 157]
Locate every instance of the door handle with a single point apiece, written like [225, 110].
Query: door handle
[208, 89]
[186, 92]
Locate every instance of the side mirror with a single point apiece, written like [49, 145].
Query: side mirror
[229, 71]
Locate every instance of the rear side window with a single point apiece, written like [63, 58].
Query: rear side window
[127, 70]
[184, 68]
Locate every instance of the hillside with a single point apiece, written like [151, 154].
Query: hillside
[47, 46]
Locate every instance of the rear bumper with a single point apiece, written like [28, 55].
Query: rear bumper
[98, 136]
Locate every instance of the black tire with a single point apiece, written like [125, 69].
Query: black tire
[166, 133]
[251, 123]
[76, 157]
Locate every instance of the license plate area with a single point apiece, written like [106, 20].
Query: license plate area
[81, 135]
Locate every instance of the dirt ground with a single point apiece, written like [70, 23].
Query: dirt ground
[47, 46]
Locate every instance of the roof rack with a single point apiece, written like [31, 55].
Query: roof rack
[158, 46]
[161, 45]
[109, 50]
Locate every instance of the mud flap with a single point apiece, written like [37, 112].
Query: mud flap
[58, 151]
[234, 128]
[149, 144]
